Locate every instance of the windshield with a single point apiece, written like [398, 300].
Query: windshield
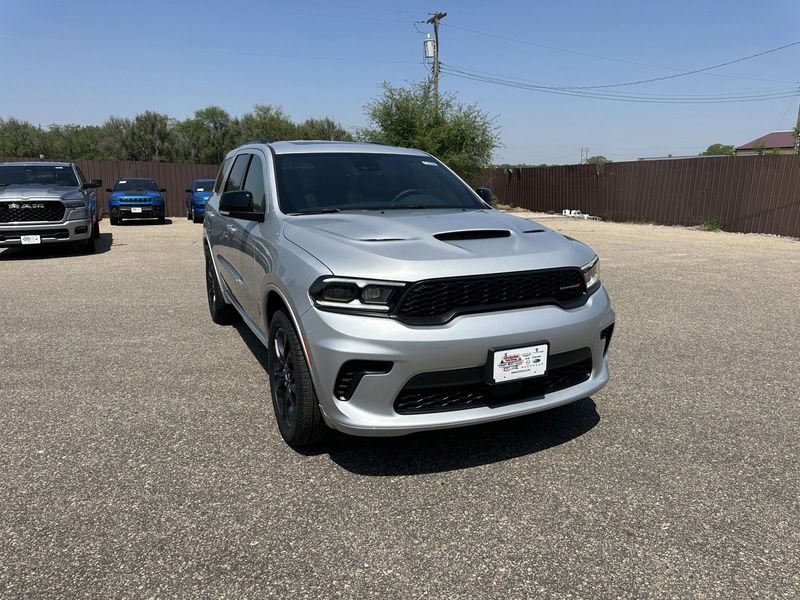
[339, 181]
[204, 185]
[129, 185]
[37, 175]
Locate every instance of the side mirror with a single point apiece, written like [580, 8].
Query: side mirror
[162, 190]
[239, 205]
[188, 191]
[485, 194]
[108, 190]
[94, 183]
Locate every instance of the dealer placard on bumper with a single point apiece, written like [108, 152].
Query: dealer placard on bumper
[519, 363]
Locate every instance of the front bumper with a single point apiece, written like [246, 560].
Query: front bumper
[148, 211]
[333, 339]
[73, 230]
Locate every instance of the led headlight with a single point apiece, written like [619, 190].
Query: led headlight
[338, 293]
[74, 203]
[591, 273]
[79, 213]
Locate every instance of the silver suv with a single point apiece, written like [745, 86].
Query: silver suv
[391, 297]
[47, 202]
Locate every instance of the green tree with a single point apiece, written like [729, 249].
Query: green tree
[719, 150]
[72, 142]
[20, 139]
[203, 138]
[264, 121]
[150, 137]
[598, 159]
[461, 135]
[323, 129]
[114, 142]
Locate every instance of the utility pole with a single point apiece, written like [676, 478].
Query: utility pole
[434, 20]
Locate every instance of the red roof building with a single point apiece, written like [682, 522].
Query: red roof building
[777, 142]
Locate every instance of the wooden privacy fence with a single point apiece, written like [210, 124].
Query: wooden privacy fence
[746, 193]
[174, 177]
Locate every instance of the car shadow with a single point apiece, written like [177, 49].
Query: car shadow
[56, 250]
[142, 222]
[464, 447]
[448, 449]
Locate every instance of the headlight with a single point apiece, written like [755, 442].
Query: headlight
[74, 203]
[340, 293]
[591, 273]
[79, 214]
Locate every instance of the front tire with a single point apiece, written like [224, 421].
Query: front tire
[293, 399]
[222, 313]
[196, 219]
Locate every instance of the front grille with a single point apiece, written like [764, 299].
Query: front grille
[439, 300]
[31, 210]
[58, 234]
[443, 391]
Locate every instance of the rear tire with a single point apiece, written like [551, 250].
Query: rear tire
[222, 313]
[293, 399]
[96, 230]
[189, 215]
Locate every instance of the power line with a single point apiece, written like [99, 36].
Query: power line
[599, 95]
[553, 86]
[692, 72]
[603, 57]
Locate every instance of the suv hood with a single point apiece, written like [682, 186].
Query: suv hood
[40, 192]
[401, 245]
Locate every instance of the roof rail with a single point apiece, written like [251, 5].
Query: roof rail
[258, 141]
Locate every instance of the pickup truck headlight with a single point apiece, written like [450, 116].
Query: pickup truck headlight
[356, 295]
[74, 203]
[591, 273]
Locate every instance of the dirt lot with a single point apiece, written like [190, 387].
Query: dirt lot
[139, 456]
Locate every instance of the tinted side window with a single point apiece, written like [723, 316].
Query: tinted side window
[221, 175]
[254, 183]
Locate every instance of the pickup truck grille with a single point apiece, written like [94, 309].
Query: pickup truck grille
[439, 300]
[23, 211]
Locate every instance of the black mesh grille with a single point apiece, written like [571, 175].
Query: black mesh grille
[28, 211]
[441, 299]
[416, 399]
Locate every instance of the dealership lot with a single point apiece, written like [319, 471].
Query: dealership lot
[139, 455]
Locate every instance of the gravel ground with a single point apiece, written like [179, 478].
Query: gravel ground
[139, 457]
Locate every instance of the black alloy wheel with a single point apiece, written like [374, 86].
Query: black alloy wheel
[293, 399]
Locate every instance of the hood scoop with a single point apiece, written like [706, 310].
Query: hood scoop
[472, 234]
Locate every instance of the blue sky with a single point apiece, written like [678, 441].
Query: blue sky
[81, 61]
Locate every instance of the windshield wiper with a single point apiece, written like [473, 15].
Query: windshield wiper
[319, 211]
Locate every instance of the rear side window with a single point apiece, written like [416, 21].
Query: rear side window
[254, 183]
[221, 174]
[236, 178]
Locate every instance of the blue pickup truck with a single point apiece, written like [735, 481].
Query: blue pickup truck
[196, 197]
[136, 198]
